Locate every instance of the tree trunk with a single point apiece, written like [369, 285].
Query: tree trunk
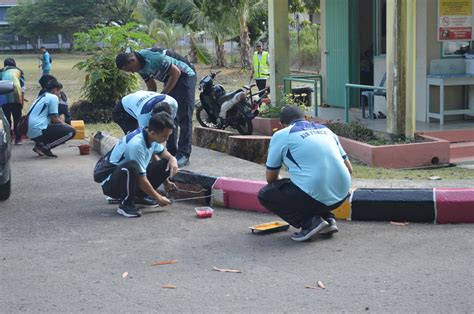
[253, 148]
[220, 53]
[244, 39]
[192, 50]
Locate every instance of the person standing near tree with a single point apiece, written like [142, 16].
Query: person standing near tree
[14, 100]
[179, 82]
[45, 59]
[261, 66]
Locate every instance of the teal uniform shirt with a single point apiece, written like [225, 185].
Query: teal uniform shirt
[40, 112]
[46, 62]
[156, 66]
[315, 160]
[140, 105]
[135, 146]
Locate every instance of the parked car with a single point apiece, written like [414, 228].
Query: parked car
[5, 147]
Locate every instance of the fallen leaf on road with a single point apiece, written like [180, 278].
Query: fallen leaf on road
[311, 287]
[402, 224]
[164, 262]
[434, 178]
[321, 285]
[168, 287]
[226, 270]
[125, 274]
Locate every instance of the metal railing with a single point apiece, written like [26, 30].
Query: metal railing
[357, 86]
[312, 79]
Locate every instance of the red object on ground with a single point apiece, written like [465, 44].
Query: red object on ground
[241, 194]
[454, 205]
[204, 212]
[84, 149]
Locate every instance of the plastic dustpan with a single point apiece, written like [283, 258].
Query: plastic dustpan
[270, 227]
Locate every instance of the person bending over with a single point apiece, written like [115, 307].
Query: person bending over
[127, 173]
[135, 109]
[179, 82]
[320, 175]
[44, 126]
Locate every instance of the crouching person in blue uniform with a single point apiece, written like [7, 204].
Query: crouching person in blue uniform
[320, 175]
[45, 127]
[126, 172]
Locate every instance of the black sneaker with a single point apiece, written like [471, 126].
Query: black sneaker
[128, 211]
[146, 201]
[331, 228]
[317, 224]
[48, 153]
[37, 149]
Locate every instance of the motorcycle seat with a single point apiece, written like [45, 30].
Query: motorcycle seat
[227, 96]
[248, 87]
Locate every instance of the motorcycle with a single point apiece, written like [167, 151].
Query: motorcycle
[218, 109]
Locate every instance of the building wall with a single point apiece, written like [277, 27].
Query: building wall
[428, 49]
[323, 69]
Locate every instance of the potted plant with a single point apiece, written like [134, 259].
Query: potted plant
[268, 120]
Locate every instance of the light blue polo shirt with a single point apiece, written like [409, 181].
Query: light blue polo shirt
[46, 62]
[40, 112]
[140, 105]
[315, 160]
[135, 146]
[157, 66]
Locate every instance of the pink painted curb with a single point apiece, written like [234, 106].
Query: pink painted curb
[454, 205]
[240, 194]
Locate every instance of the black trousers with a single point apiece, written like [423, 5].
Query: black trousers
[184, 93]
[261, 84]
[124, 181]
[288, 201]
[126, 122]
[13, 110]
[55, 134]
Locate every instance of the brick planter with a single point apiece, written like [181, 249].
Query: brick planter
[265, 126]
[414, 155]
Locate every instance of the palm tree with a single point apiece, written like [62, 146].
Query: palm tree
[120, 11]
[244, 9]
[204, 15]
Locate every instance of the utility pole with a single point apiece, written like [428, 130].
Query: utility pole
[401, 67]
[278, 46]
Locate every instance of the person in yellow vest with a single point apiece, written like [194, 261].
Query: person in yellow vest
[261, 67]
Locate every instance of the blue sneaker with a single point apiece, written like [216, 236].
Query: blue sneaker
[183, 160]
[317, 224]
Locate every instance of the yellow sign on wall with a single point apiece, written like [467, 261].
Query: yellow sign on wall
[455, 20]
[455, 7]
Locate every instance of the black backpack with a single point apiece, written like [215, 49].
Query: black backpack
[104, 168]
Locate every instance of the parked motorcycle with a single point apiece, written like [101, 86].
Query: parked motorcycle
[218, 109]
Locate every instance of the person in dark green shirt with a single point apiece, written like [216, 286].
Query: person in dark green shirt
[179, 81]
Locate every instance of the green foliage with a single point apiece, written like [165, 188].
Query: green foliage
[90, 113]
[309, 51]
[359, 132]
[119, 11]
[105, 84]
[32, 19]
[274, 110]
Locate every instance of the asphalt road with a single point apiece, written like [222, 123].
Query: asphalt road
[63, 249]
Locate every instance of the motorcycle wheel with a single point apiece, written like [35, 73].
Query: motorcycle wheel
[203, 118]
[243, 125]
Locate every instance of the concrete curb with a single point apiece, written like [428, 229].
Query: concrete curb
[433, 205]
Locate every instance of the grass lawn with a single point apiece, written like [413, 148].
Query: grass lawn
[231, 79]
